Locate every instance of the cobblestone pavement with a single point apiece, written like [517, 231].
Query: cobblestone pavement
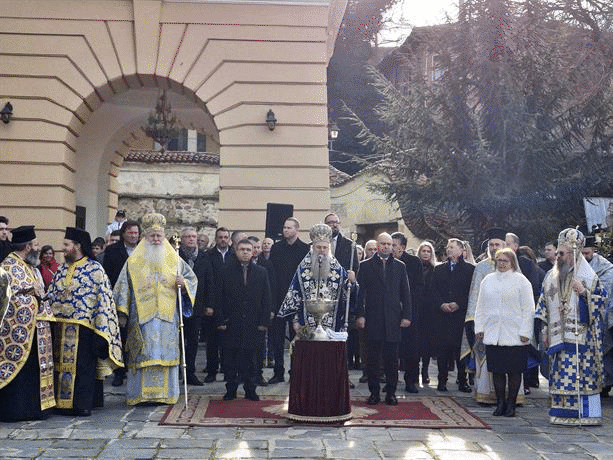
[121, 432]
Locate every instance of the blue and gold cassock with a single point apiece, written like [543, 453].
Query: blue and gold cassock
[25, 316]
[81, 297]
[304, 287]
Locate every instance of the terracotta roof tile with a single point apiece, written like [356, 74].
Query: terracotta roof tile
[337, 177]
[150, 156]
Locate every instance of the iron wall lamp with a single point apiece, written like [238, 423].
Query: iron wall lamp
[271, 121]
[6, 113]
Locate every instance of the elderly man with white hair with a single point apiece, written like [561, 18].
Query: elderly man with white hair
[146, 296]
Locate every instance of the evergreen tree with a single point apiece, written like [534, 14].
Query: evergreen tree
[348, 81]
[514, 131]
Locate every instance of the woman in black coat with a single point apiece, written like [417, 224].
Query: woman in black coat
[427, 256]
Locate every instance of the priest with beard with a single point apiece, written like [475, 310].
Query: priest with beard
[319, 275]
[571, 309]
[86, 333]
[146, 295]
[26, 359]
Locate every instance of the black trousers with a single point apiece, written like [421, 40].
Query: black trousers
[209, 326]
[279, 326]
[191, 327]
[238, 367]
[409, 354]
[389, 351]
[260, 353]
[446, 355]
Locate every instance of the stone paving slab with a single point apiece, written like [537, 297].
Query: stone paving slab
[118, 431]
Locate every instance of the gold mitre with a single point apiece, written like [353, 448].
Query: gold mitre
[153, 222]
[320, 233]
[571, 237]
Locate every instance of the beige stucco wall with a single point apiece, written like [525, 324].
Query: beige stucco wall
[357, 205]
[81, 75]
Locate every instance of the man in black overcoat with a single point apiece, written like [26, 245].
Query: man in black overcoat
[342, 247]
[219, 255]
[450, 290]
[409, 345]
[260, 353]
[205, 296]
[384, 308]
[285, 256]
[243, 312]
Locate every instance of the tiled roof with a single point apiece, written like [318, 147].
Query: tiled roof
[150, 156]
[337, 177]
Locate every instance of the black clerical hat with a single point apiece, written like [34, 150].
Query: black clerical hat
[495, 233]
[82, 237]
[590, 241]
[23, 234]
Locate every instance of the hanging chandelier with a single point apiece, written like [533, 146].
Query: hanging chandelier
[162, 124]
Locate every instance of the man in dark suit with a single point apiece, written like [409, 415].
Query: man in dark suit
[260, 354]
[244, 311]
[384, 308]
[115, 257]
[219, 255]
[285, 257]
[205, 295]
[116, 254]
[409, 345]
[450, 290]
[341, 247]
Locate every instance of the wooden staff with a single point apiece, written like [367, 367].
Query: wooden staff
[175, 241]
[354, 237]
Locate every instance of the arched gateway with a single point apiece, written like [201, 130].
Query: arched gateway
[82, 76]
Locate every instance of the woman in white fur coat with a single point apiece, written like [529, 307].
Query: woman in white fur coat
[504, 319]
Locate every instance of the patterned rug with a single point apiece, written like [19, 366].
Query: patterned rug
[411, 412]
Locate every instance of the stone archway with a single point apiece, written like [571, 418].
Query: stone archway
[62, 61]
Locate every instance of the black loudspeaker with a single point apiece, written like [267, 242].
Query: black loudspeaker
[276, 214]
[80, 217]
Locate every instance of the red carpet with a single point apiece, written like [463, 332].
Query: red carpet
[413, 412]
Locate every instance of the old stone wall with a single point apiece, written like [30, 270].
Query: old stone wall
[187, 195]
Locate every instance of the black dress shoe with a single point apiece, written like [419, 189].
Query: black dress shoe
[261, 382]
[229, 396]
[411, 388]
[210, 378]
[501, 407]
[82, 412]
[193, 380]
[391, 400]
[373, 399]
[510, 410]
[276, 379]
[351, 385]
[117, 380]
[441, 387]
[464, 388]
[363, 379]
[252, 396]
[425, 380]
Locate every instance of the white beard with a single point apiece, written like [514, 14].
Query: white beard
[321, 272]
[155, 257]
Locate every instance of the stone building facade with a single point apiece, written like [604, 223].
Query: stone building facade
[83, 76]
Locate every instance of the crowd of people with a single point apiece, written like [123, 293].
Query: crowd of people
[119, 305]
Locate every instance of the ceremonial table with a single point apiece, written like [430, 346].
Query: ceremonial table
[319, 387]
